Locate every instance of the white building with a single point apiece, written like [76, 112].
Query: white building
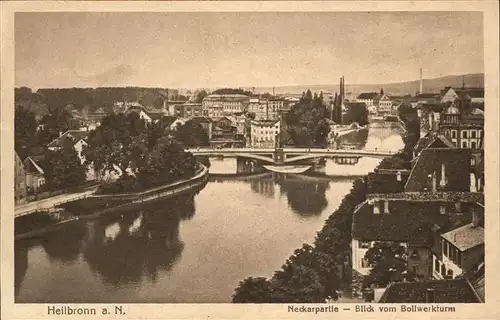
[219, 105]
[263, 133]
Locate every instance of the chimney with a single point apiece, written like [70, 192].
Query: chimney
[273, 92]
[434, 187]
[421, 81]
[443, 181]
[475, 218]
[429, 295]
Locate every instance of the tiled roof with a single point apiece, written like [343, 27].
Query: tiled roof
[34, 164]
[75, 135]
[440, 196]
[400, 227]
[444, 291]
[432, 140]
[465, 237]
[368, 95]
[427, 95]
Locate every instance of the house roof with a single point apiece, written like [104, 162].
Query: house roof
[465, 237]
[444, 291]
[435, 107]
[427, 95]
[202, 119]
[226, 97]
[32, 163]
[400, 227]
[440, 196]
[74, 135]
[368, 95]
[155, 115]
[431, 139]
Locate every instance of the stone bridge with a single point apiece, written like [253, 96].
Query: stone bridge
[288, 155]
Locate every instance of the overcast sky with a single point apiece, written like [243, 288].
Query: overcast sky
[242, 49]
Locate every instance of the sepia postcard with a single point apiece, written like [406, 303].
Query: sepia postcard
[259, 160]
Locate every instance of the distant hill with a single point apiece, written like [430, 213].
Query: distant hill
[409, 87]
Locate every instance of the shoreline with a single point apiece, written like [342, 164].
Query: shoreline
[197, 183]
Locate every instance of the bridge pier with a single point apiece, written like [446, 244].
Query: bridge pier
[279, 156]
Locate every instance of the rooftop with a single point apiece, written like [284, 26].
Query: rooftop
[368, 95]
[76, 135]
[440, 291]
[440, 196]
[465, 237]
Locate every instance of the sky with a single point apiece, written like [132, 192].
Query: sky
[206, 50]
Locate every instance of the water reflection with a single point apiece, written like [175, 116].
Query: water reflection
[65, 244]
[305, 195]
[21, 265]
[354, 140]
[127, 248]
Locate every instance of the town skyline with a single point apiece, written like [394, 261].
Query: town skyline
[210, 50]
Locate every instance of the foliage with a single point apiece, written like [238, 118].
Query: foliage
[397, 161]
[305, 124]
[356, 112]
[63, 168]
[25, 129]
[119, 142]
[253, 290]
[232, 91]
[191, 134]
[388, 263]
[200, 95]
[337, 109]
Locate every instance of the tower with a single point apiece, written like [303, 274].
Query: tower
[421, 82]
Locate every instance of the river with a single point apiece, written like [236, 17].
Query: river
[194, 248]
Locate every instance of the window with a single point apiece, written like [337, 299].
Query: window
[442, 209]
[472, 161]
[473, 133]
[464, 134]
[473, 145]
[443, 271]
[464, 144]
[415, 269]
[449, 274]
[459, 259]
[436, 265]
[364, 244]
[386, 206]
[454, 134]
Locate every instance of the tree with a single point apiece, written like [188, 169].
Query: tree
[25, 127]
[191, 134]
[58, 120]
[388, 263]
[253, 290]
[357, 112]
[64, 168]
[119, 142]
[200, 95]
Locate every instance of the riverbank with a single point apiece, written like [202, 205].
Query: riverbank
[99, 205]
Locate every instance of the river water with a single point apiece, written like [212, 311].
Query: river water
[194, 248]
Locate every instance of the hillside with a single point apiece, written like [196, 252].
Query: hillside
[410, 87]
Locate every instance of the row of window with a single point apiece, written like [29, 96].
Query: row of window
[451, 252]
[440, 268]
[465, 134]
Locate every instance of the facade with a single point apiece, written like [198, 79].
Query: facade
[218, 105]
[450, 94]
[20, 181]
[263, 133]
[368, 98]
[384, 105]
[464, 129]
[185, 110]
[35, 178]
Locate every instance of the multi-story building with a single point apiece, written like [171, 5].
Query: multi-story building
[20, 181]
[450, 94]
[463, 126]
[263, 133]
[383, 104]
[368, 98]
[219, 105]
[185, 110]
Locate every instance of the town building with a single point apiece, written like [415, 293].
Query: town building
[218, 105]
[424, 98]
[264, 133]
[185, 110]
[35, 178]
[20, 181]
[463, 125]
[431, 291]
[383, 104]
[96, 116]
[369, 99]
[450, 94]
